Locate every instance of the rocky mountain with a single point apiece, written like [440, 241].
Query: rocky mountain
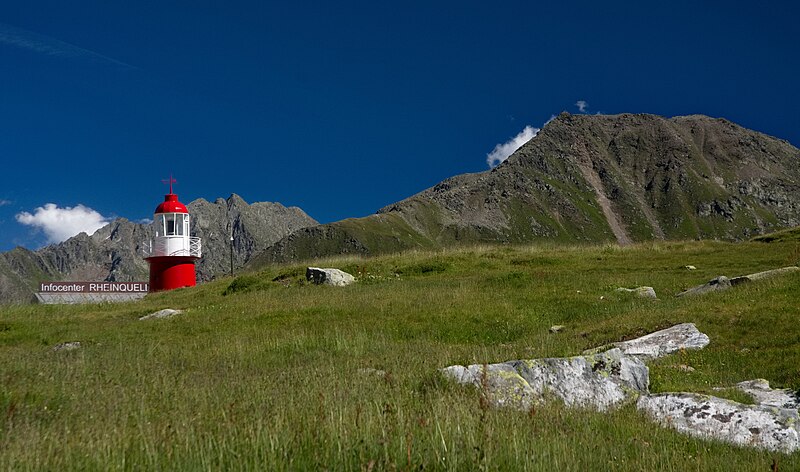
[624, 178]
[113, 253]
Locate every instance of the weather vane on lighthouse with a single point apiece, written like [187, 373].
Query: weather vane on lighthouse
[173, 252]
[169, 181]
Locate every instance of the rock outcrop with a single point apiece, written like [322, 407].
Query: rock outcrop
[604, 380]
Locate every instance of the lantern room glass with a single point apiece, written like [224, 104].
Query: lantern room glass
[172, 224]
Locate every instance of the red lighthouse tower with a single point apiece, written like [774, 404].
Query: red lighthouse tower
[172, 252]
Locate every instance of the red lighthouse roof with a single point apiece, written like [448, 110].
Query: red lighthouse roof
[171, 205]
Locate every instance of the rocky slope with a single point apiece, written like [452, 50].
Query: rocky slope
[113, 253]
[621, 178]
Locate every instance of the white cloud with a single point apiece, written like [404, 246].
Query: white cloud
[501, 151]
[4, 202]
[582, 105]
[60, 224]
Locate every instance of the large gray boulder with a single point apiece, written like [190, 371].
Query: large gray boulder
[335, 277]
[600, 381]
[761, 426]
[661, 343]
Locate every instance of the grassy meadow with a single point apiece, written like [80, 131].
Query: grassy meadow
[266, 372]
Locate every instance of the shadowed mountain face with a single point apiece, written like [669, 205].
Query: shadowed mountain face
[113, 253]
[590, 178]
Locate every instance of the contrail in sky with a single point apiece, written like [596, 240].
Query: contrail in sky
[40, 43]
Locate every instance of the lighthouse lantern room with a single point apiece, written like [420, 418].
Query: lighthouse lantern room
[172, 252]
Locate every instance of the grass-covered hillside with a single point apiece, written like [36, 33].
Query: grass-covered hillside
[266, 372]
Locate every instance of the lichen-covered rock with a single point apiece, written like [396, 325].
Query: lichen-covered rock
[704, 416]
[661, 343]
[335, 277]
[643, 292]
[161, 314]
[761, 392]
[598, 381]
[714, 285]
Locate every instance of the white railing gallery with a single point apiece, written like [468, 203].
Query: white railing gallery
[172, 246]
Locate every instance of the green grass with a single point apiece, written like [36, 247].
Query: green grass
[264, 371]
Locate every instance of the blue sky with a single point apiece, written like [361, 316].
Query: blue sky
[343, 107]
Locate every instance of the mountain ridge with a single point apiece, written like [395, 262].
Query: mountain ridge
[590, 178]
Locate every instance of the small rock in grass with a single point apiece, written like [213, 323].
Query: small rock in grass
[68, 346]
[371, 371]
[557, 328]
[691, 267]
[642, 292]
[684, 368]
[161, 314]
[335, 277]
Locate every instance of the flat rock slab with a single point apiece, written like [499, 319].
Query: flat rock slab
[764, 275]
[68, 346]
[761, 392]
[643, 292]
[661, 343]
[724, 283]
[335, 277]
[709, 417]
[598, 381]
[161, 314]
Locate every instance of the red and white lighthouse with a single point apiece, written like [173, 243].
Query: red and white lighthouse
[172, 252]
